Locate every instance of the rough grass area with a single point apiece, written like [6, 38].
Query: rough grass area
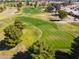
[32, 10]
[75, 24]
[30, 35]
[70, 28]
[3, 24]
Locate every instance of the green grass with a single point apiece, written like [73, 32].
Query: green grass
[31, 10]
[31, 34]
[53, 34]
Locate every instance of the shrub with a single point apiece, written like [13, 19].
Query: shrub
[49, 8]
[62, 14]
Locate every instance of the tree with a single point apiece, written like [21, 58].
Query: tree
[75, 49]
[49, 8]
[13, 34]
[35, 5]
[61, 55]
[27, 2]
[19, 5]
[10, 43]
[62, 14]
[1, 9]
[18, 24]
[40, 51]
[74, 54]
[70, 1]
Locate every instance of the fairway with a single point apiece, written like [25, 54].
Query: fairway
[31, 10]
[53, 34]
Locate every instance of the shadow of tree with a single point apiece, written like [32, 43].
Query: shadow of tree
[25, 54]
[61, 55]
[75, 49]
[21, 55]
[3, 46]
